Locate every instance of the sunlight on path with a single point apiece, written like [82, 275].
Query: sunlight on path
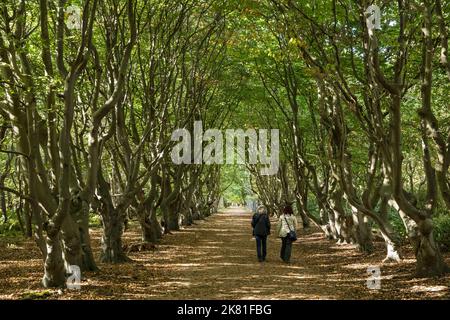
[216, 259]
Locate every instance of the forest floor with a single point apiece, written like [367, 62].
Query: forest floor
[216, 259]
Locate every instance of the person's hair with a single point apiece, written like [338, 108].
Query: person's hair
[287, 209]
[263, 208]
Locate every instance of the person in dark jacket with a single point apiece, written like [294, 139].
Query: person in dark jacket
[261, 229]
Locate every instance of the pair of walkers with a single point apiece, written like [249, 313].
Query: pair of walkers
[286, 228]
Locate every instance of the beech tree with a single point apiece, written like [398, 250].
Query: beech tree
[89, 101]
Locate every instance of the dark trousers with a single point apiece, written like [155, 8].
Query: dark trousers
[261, 247]
[286, 248]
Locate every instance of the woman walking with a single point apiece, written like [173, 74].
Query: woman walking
[261, 229]
[287, 224]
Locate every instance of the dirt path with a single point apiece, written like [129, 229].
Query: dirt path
[216, 259]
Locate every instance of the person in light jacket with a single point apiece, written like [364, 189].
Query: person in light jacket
[261, 229]
[286, 223]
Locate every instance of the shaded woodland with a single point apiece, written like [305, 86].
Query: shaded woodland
[87, 114]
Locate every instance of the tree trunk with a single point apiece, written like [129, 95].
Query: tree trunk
[88, 260]
[301, 205]
[188, 218]
[363, 234]
[112, 220]
[336, 215]
[151, 228]
[392, 254]
[3, 204]
[19, 212]
[325, 222]
[54, 270]
[334, 229]
[429, 259]
[173, 223]
[112, 250]
[28, 220]
[71, 242]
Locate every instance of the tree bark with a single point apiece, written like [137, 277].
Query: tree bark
[112, 250]
[54, 269]
[112, 221]
[363, 233]
[429, 259]
[70, 239]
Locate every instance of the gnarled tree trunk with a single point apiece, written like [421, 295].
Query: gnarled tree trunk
[54, 269]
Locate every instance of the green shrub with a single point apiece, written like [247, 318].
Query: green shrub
[442, 231]
[313, 208]
[397, 224]
[95, 221]
[10, 228]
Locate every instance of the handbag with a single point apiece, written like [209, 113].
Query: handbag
[292, 234]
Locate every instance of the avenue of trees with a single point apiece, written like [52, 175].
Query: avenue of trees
[87, 114]
[365, 115]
